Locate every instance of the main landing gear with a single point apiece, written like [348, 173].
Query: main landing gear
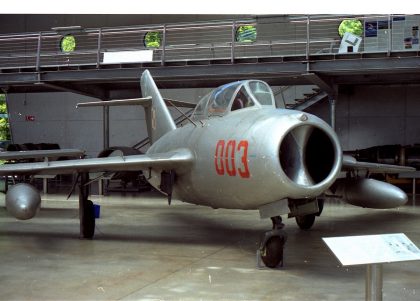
[271, 248]
[272, 245]
[305, 222]
[86, 210]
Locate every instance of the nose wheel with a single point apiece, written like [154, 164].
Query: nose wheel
[272, 245]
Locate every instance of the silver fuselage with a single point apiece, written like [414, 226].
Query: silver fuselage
[244, 170]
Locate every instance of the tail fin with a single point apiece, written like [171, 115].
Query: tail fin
[159, 120]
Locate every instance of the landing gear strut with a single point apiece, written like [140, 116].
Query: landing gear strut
[86, 211]
[305, 222]
[271, 248]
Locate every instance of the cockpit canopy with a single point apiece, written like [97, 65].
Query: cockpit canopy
[234, 96]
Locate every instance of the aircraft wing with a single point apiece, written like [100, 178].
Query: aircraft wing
[36, 154]
[350, 163]
[171, 160]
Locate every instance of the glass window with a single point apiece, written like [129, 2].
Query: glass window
[246, 34]
[68, 43]
[242, 100]
[262, 92]
[220, 99]
[201, 108]
[152, 39]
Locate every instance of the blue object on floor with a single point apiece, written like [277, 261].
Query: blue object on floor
[97, 210]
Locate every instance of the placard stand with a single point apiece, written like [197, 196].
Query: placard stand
[374, 282]
[373, 251]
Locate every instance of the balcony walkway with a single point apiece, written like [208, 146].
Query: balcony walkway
[299, 51]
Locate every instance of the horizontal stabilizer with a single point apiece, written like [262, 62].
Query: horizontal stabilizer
[179, 103]
[145, 101]
[350, 163]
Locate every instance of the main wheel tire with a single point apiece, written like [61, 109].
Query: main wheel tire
[305, 222]
[320, 206]
[88, 220]
[272, 253]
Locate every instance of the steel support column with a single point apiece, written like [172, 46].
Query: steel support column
[106, 126]
[332, 111]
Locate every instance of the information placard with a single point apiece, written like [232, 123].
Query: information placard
[371, 249]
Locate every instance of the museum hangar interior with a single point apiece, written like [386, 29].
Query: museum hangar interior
[360, 74]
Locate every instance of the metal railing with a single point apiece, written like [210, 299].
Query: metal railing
[304, 36]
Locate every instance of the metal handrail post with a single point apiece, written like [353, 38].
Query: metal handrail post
[232, 49]
[38, 52]
[308, 38]
[389, 35]
[163, 45]
[98, 54]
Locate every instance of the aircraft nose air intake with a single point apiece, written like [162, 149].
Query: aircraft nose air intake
[308, 155]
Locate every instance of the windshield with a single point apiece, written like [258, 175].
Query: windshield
[200, 111]
[220, 100]
[232, 97]
[262, 92]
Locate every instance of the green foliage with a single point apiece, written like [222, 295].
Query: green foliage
[246, 33]
[68, 43]
[4, 122]
[4, 129]
[353, 26]
[3, 108]
[152, 39]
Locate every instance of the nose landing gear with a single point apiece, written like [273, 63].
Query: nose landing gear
[272, 245]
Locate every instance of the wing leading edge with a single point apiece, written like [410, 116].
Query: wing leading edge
[171, 160]
[350, 163]
[36, 154]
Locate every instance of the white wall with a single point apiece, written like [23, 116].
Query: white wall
[365, 116]
[58, 121]
[375, 115]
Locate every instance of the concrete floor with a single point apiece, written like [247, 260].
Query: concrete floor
[145, 250]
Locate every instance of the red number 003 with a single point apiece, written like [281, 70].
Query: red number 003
[225, 158]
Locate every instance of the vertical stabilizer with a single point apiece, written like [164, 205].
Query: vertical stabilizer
[158, 118]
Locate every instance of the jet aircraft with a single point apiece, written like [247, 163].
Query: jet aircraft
[238, 151]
